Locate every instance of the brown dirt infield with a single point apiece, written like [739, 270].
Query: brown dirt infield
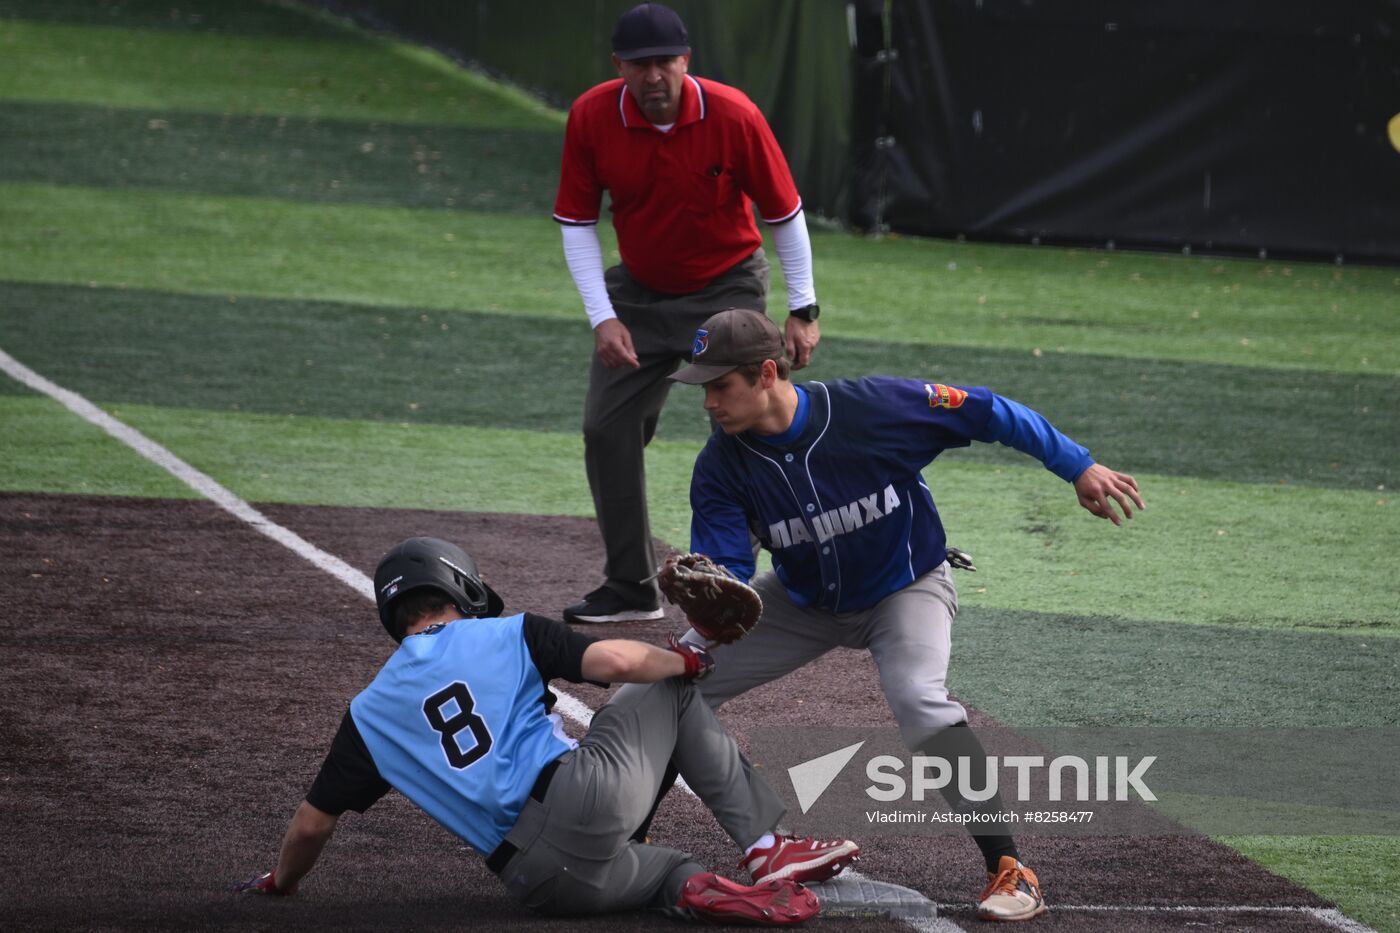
[172, 679]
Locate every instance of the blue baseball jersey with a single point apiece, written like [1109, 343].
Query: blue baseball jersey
[838, 498]
[458, 721]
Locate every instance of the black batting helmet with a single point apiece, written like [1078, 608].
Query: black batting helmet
[421, 562]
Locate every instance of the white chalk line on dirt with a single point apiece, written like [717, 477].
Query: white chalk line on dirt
[1333, 918]
[568, 705]
[221, 496]
[211, 489]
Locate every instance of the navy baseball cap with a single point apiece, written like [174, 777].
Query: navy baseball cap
[649, 31]
[727, 340]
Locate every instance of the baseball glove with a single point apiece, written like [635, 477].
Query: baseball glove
[718, 605]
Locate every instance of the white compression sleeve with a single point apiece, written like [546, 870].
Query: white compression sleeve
[794, 249]
[584, 255]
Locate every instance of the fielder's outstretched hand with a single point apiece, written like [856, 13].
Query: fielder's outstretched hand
[1098, 485]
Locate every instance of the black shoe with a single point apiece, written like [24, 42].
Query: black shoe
[607, 605]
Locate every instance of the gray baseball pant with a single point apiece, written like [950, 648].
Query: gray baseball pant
[908, 634]
[623, 405]
[575, 855]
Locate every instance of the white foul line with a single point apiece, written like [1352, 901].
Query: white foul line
[567, 704]
[1333, 918]
[199, 482]
[211, 489]
[221, 496]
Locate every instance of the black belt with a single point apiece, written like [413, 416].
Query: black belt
[506, 850]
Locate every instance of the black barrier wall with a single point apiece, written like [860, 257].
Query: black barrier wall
[1210, 125]
[792, 57]
[1221, 125]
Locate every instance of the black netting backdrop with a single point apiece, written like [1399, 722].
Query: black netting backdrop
[1224, 125]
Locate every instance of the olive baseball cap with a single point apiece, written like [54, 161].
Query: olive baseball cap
[649, 31]
[728, 340]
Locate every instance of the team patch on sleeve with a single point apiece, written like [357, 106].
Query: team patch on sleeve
[941, 396]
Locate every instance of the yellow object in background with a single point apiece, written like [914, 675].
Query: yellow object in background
[1393, 130]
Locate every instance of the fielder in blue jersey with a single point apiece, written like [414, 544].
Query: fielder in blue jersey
[826, 476]
[460, 720]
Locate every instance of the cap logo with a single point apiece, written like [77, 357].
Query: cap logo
[392, 587]
[941, 396]
[702, 342]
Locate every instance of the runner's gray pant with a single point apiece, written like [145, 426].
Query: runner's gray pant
[909, 636]
[624, 404]
[575, 855]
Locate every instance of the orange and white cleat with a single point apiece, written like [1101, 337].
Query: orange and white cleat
[1012, 893]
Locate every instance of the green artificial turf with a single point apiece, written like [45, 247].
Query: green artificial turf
[274, 248]
[1108, 671]
[349, 361]
[484, 169]
[213, 16]
[225, 173]
[1357, 872]
[1250, 810]
[1153, 306]
[1139, 670]
[316, 461]
[514, 264]
[47, 449]
[356, 77]
[1204, 552]
[1113, 672]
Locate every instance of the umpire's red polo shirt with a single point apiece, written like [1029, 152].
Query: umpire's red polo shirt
[680, 199]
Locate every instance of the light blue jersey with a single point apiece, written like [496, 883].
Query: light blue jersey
[456, 722]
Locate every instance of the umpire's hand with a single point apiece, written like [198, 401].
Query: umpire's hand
[614, 344]
[800, 339]
[1098, 485]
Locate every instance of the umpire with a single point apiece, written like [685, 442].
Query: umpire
[684, 160]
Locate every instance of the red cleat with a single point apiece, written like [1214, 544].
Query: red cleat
[800, 860]
[707, 896]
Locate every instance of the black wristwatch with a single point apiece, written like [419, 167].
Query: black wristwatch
[808, 313]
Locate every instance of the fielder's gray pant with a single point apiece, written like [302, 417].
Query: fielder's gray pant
[908, 633]
[623, 405]
[575, 855]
